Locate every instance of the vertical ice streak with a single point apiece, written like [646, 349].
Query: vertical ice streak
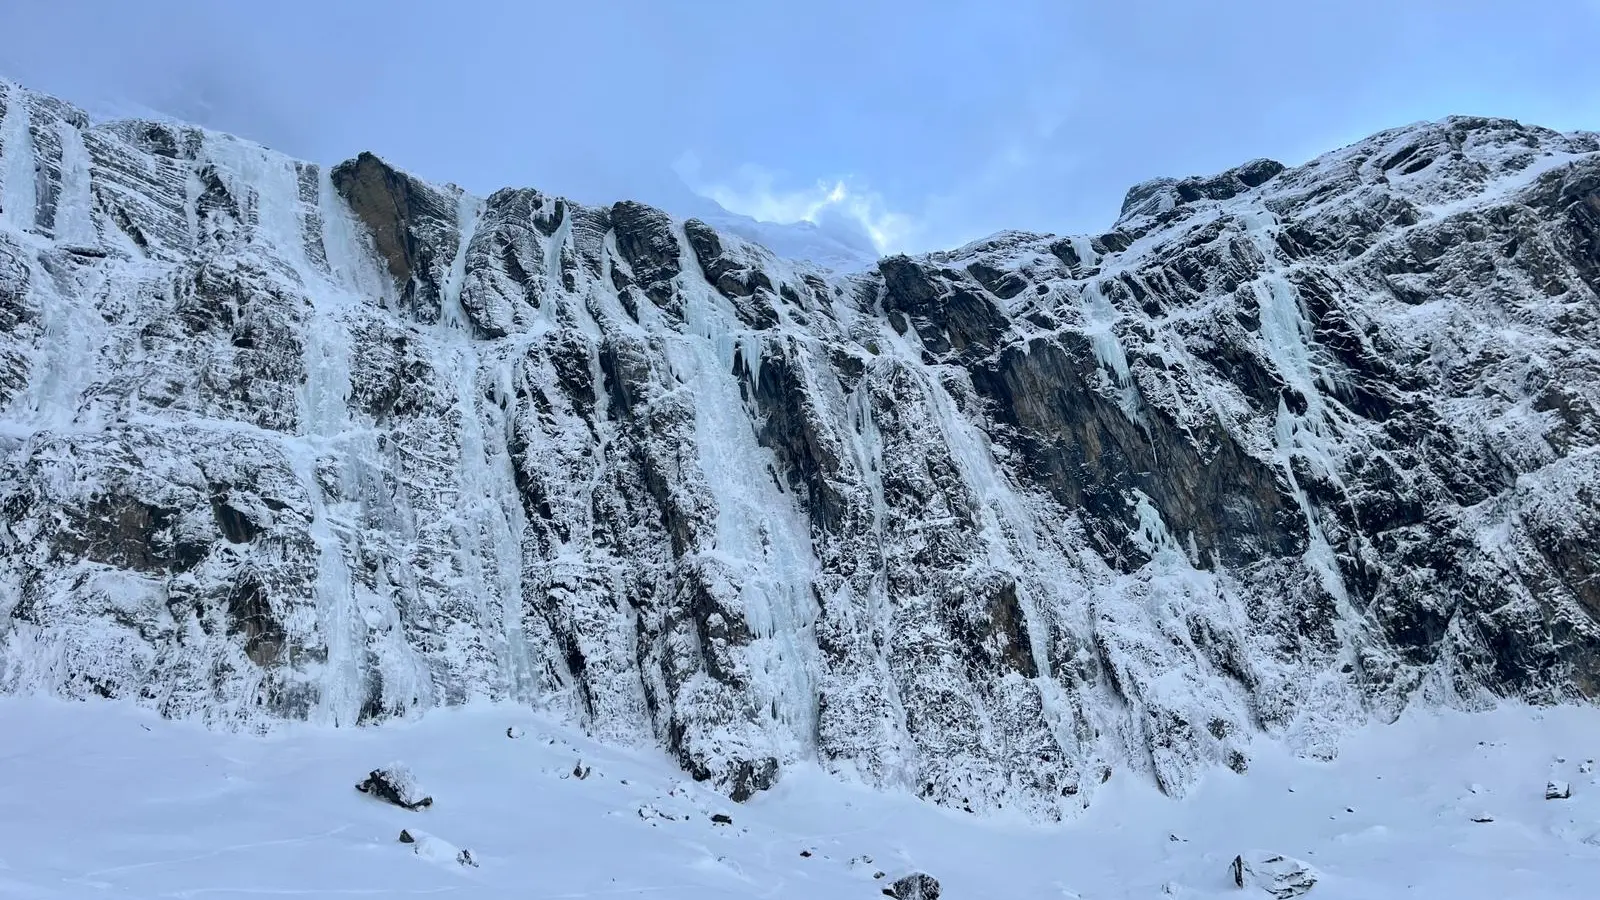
[1286, 333]
[17, 189]
[759, 532]
[74, 208]
[487, 523]
[267, 185]
[74, 333]
[1100, 317]
[468, 209]
[325, 421]
[1100, 320]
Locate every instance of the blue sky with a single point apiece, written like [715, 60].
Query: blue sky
[921, 124]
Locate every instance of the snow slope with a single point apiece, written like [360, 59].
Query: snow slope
[105, 800]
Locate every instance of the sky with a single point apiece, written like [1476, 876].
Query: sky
[914, 126]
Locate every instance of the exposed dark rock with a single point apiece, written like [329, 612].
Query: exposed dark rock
[732, 276]
[646, 241]
[17, 320]
[1004, 285]
[1090, 453]
[395, 784]
[506, 271]
[1158, 195]
[947, 316]
[413, 227]
[916, 886]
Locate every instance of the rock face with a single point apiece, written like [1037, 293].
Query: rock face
[1282, 451]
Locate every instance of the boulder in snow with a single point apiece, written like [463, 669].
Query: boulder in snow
[916, 886]
[395, 784]
[437, 850]
[1278, 875]
[1557, 790]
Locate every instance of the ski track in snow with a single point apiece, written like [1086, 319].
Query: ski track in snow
[106, 800]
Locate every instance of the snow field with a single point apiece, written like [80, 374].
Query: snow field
[103, 800]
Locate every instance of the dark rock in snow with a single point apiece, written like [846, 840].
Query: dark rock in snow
[1280, 876]
[916, 886]
[1557, 790]
[395, 784]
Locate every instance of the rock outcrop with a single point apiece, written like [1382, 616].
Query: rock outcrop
[1284, 450]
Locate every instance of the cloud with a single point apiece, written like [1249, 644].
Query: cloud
[1022, 155]
[840, 205]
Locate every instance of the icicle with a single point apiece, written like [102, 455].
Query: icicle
[468, 209]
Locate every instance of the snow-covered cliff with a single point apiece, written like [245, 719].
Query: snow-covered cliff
[1282, 451]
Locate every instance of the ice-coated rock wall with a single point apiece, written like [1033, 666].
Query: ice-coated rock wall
[1284, 450]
